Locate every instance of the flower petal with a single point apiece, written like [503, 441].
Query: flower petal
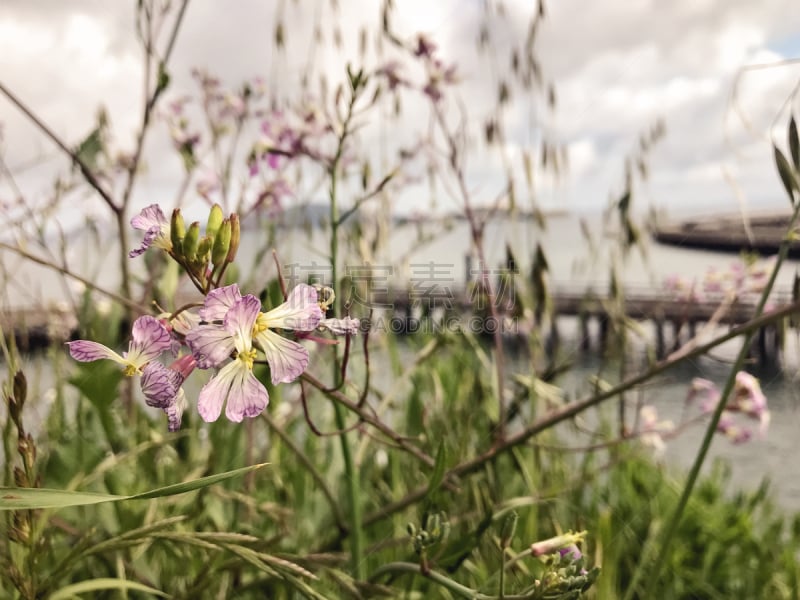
[160, 385]
[151, 216]
[175, 411]
[211, 345]
[247, 398]
[219, 301]
[149, 339]
[287, 359]
[300, 311]
[156, 227]
[88, 351]
[214, 393]
[245, 394]
[240, 320]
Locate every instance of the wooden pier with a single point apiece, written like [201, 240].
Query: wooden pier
[674, 319]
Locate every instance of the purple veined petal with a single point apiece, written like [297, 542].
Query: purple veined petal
[175, 411]
[149, 339]
[240, 320]
[300, 311]
[247, 397]
[88, 351]
[150, 216]
[160, 385]
[211, 345]
[156, 227]
[235, 382]
[219, 302]
[287, 359]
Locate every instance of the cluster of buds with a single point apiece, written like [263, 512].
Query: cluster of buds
[434, 531]
[230, 332]
[205, 257]
[565, 574]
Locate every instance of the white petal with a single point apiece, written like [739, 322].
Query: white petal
[287, 359]
[300, 311]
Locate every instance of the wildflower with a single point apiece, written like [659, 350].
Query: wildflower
[162, 387]
[730, 429]
[567, 541]
[233, 323]
[707, 391]
[235, 384]
[651, 429]
[749, 400]
[156, 227]
[149, 338]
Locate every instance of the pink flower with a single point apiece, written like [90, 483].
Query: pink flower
[156, 227]
[749, 400]
[235, 384]
[233, 325]
[149, 338]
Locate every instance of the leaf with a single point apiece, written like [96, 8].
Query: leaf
[33, 498]
[787, 174]
[794, 144]
[438, 470]
[94, 585]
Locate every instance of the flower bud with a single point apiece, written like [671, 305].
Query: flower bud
[204, 249]
[191, 241]
[177, 230]
[215, 218]
[235, 237]
[222, 243]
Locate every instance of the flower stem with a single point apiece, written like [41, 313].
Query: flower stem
[352, 476]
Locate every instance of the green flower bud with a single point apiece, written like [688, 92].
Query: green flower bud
[215, 218]
[235, 237]
[222, 243]
[191, 241]
[177, 230]
[204, 249]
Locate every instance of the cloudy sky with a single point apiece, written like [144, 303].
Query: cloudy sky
[617, 66]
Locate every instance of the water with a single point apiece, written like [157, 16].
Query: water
[439, 254]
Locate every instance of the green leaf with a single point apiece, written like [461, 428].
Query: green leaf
[33, 498]
[438, 470]
[787, 174]
[794, 143]
[94, 585]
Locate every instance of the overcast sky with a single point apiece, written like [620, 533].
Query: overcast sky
[617, 66]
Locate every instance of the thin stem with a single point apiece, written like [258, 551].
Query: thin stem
[67, 273]
[352, 474]
[712, 425]
[85, 170]
[476, 232]
[455, 587]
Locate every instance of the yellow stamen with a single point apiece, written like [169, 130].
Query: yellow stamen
[130, 370]
[248, 357]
